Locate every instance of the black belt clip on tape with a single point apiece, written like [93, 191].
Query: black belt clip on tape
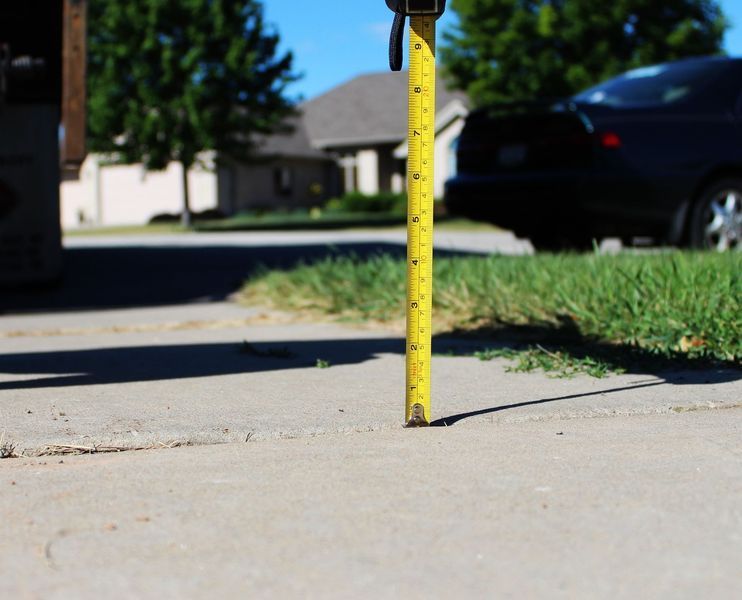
[402, 9]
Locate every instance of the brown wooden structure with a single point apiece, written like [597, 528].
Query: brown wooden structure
[73, 83]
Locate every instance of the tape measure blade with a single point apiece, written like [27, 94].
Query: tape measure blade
[420, 188]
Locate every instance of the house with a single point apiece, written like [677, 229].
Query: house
[363, 125]
[352, 138]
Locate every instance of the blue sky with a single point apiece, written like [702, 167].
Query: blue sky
[339, 39]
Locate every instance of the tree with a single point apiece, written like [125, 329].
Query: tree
[513, 50]
[171, 79]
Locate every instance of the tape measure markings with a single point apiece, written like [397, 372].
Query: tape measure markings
[421, 190]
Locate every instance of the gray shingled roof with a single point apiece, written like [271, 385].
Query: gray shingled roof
[295, 144]
[368, 109]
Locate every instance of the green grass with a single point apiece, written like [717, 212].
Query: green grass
[158, 228]
[564, 363]
[674, 307]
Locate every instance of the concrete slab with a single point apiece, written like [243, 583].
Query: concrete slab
[619, 508]
[143, 377]
[131, 319]
[525, 490]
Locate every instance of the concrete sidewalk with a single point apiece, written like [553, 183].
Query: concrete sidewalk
[301, 482]
[142, 377]
[620, 508]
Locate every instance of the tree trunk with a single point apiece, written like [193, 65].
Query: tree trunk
[185, 216]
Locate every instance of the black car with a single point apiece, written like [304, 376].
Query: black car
[655, 153]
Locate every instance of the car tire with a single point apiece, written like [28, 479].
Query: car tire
[716, 218]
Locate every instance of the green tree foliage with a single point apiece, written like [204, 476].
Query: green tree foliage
[512, 50]
[171, 79]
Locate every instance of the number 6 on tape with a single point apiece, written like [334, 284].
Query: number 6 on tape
[420, 193]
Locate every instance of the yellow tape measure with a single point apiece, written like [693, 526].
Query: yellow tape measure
[420, 190]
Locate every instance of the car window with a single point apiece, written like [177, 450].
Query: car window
[654, 85]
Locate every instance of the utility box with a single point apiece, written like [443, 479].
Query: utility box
[42, 77]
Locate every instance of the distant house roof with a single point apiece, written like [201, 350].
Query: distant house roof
[370, 109]
[294, 144]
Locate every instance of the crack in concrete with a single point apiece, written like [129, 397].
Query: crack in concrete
[52, 450]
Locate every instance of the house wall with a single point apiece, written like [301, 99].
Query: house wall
[128, 195]
[369, 170]
[388, 166]
[444, 157]
[348, 173]
[367, 163]
[399, 179]
[383, 168]
[264, 185]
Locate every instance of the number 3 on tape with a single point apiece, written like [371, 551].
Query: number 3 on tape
[420, 193]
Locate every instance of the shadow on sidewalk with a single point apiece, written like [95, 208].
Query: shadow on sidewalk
[100, 366]
[176, 362]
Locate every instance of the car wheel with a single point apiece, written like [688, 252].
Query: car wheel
[716, 220]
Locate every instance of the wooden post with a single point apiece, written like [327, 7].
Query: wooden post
[74, 62]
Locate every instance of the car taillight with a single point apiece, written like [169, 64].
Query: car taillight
[610, 140]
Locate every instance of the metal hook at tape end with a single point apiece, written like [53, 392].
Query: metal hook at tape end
[418, 417]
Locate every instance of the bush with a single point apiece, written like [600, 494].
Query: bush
[355, 202]
[210, 214]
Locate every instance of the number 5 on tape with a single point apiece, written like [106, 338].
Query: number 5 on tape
[420, 193]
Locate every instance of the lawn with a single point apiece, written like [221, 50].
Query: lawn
[153, 229]
[565, 312]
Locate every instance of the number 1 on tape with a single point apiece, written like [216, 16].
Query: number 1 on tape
[420, 192]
